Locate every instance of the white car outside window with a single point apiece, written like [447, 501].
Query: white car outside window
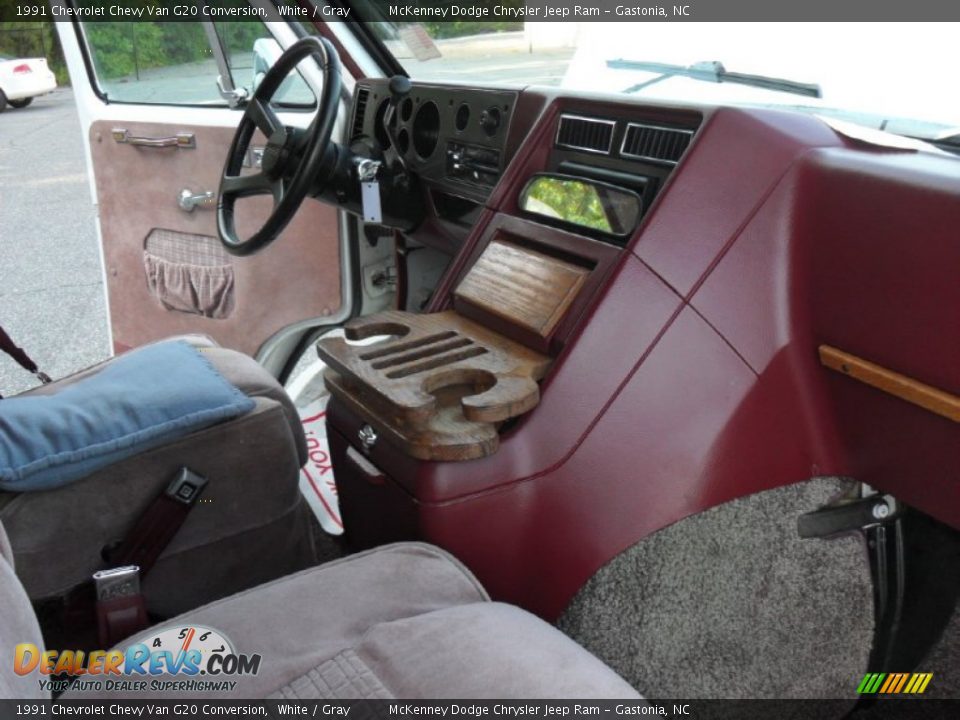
[23, 79]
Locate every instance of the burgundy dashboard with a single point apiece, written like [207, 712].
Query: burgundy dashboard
[690, 366]
[460, 142]
[448, 136]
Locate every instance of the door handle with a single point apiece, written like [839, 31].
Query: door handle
[182, 140]
[190, 201]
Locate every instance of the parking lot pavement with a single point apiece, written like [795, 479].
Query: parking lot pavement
[51, 289]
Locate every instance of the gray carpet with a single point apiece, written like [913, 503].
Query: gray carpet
[731, 603]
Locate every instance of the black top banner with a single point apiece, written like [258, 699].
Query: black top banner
[462, 11]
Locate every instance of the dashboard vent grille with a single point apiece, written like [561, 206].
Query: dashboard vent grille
[652, 142]
[588, 134]
[360, 110]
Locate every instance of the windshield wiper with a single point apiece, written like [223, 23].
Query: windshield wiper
[949, 137]
[948, 141]
[712, 71]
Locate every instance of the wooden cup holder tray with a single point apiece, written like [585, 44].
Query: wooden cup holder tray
[439, 388]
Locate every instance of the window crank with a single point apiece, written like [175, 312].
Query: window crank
[189, 201]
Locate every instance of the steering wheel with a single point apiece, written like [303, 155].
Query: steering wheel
[291, 159]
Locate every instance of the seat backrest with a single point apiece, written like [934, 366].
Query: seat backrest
[18, 624]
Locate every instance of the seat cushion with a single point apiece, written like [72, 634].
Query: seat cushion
[139, 401]
[252, 468]
[482, 650]
[252, 526]
[254, 381]
[242, 371]
[298, 622]
[18, 624]
[404, 620]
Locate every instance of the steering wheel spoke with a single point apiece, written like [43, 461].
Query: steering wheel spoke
[246, 185]
[264, 117]
[292, 160]
[277, 189]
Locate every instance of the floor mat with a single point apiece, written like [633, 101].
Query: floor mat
[731, 603]
[316, 477]
[310, 396]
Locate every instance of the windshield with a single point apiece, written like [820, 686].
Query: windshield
[874, 74]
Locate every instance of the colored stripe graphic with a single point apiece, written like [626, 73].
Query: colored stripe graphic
[903, 680]
[894, 683]
[892, 679]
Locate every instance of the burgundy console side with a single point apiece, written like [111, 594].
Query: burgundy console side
[692, 376]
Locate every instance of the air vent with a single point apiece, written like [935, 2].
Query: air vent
[587, 134]
[363, 96]
[652, 142]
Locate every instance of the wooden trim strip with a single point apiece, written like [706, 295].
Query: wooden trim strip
[929, 398]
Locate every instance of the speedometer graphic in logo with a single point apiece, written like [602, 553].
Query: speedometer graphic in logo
[187, 638]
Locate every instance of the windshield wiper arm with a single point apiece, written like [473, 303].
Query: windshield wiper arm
[950, 137]
[712, 71]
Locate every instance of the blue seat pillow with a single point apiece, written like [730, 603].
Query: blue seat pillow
[139, 401]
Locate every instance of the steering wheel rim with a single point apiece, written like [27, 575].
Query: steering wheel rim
[284, 147]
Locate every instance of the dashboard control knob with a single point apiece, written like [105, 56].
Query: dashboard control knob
[399, 88]
[490, 120]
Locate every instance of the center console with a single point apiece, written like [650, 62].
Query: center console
[445, 387]
[455, 427]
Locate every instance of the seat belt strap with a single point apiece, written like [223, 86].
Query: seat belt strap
[115, 593]
[155, 529]
[121, 608]
[21, 357]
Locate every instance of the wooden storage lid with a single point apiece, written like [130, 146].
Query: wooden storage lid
[520, 285]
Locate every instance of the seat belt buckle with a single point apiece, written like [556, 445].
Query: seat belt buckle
[117, 582]
[121, 609]
[186, 486]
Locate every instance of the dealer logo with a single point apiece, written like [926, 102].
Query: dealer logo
[182, 652]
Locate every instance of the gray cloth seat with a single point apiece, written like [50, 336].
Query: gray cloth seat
[401, 621]
[252, 526]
